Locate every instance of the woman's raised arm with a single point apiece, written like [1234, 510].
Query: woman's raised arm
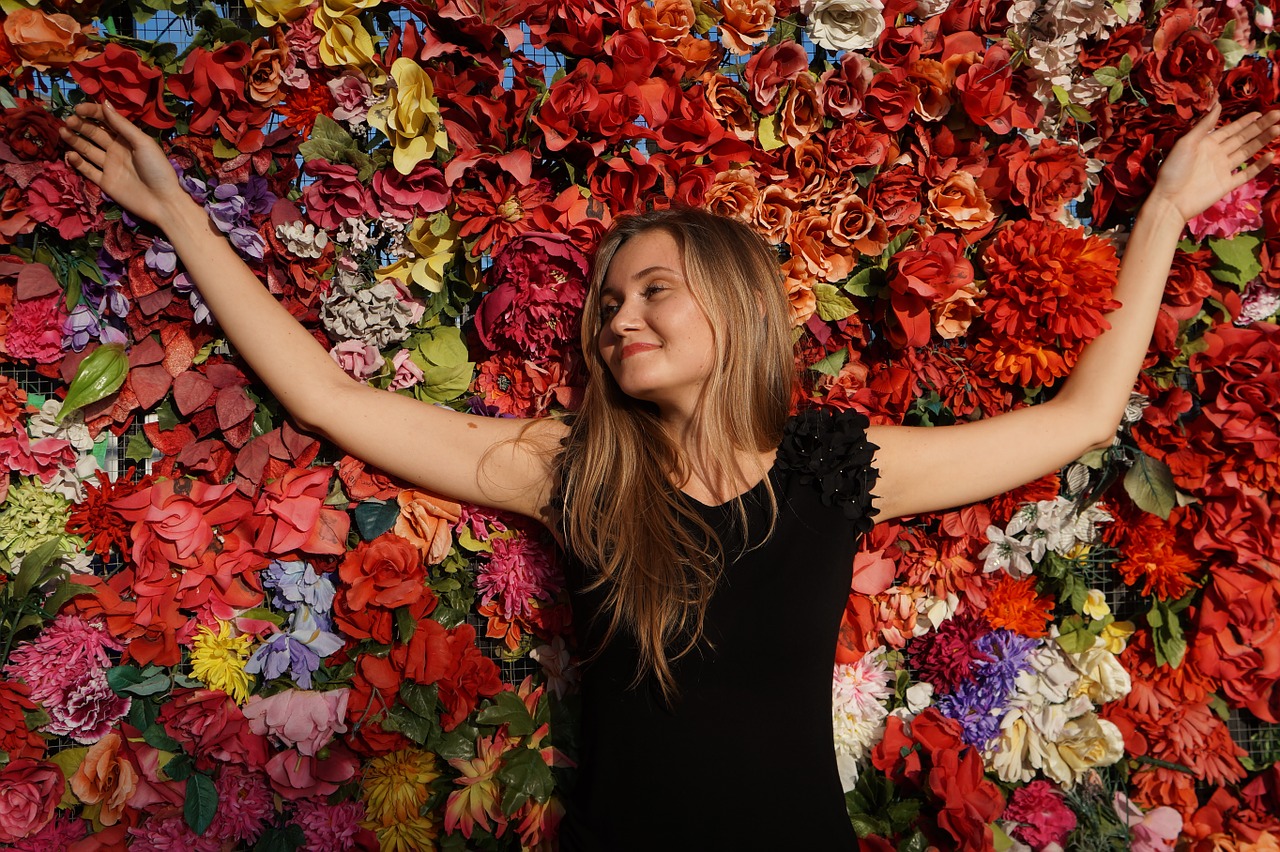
[482, 465]
[927, 469]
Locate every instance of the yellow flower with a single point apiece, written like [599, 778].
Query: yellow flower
[432, 252]
[1116, 635]
[334, 9]
[1095, 605]
[417, 834]
[217, 661]
[345, 42]
[410, 116]
[396, 786]
[273, 12]
[475, 802]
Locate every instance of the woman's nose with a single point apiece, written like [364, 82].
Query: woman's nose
[626, 318]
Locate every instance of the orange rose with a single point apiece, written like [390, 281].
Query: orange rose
[46, 41]
[264, 72]
[811, 238]
[386, 572]
[426, 521]
[745, 23]
[666, 21]
[958, 202]
[728, 103]
[933, 82]
[699, 55]
[855, 224]
[773, 212]
[799, 281]
[105, 778]
[953, 315]
[801, 113]
[808, 162]
[734, 193]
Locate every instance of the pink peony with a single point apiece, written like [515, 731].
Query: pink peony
[535, 305]
[1238, 210]
[519, 571]
[167, 831]
[1041, 817]
[62, 199]
[29, 792]
[358, 359]
[333, 828]
[412, 196]
[299, 718]
[35, 328]
[352, 93]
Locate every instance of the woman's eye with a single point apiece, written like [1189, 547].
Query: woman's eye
[653, 290]
[607, 311]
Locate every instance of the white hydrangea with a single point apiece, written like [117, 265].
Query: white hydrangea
[378, 314]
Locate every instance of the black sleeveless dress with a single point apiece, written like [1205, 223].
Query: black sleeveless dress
[745, 760]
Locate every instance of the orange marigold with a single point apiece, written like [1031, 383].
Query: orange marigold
[1154, 556]
[1048, 288]
[1014, 605]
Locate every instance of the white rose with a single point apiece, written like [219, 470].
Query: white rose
[929, 8]
[844, 24]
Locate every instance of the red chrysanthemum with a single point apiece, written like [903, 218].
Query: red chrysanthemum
[1048, 288]
[1014, 605]
[1154, 556]
[98, 522]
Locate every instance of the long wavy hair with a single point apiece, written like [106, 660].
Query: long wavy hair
[658, 560]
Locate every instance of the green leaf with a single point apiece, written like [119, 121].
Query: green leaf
[413, 726]
[1237, 259]
[454, 746]
[406, 624]
[201, 803]
[510, 710]
[1126, 61]
[1166, 635]
[37, 563]
[261, 613]
[1232, 51]
[1150, 483]
[63, 593]
[1061, 94]
[831, 365]
[832, 304]
[287, 839]
[98, 376]
[166, 415]
[328, 141]
[865, 824]
[860, 282]
[374, 517]
[525, 775]
[422, 700]
[1107, 75]
[180, 768]
[767, 132]
[1074, 636]
[139, 449]
[156, 737]
[129, 680]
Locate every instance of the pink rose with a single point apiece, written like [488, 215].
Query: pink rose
[412, 196]
[360, 360]
[298, 776]
[407, 374]
[29, 792]
[336, 195]
[211, 727]
[298, 718]
[351, 92]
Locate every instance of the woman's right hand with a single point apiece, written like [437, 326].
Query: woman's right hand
[124, 161]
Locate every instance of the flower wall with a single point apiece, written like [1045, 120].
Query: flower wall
[251, 640]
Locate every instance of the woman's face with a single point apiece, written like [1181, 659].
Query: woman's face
[654, 336]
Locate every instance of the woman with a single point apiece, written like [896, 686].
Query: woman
[681, 489]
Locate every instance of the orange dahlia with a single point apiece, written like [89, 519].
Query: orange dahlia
[1014, 605]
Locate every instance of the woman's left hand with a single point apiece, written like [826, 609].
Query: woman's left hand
[1207, 163]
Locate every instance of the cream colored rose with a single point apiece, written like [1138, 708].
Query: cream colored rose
[410, 116]
[1009, 754]
[1087, 742]
[1102, 678]
[844, 24]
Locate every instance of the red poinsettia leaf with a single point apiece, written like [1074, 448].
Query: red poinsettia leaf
[179, 351]
[238, 435]
[224, 375]
[252, 460]
[205, 421]
[153, 303]
[301, 448]
[233, 407]
[150, 383]
[141, 282]
[191, 391]
[148, 351]
[35, 281]
[195, 454]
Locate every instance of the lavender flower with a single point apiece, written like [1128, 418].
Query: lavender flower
[297, 583]
[297, 652]
[161, 257]
[79, 328]
[980, 704]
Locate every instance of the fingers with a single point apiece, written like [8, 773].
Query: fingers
[83, 136]
[86, 168]
[1206, 123]
[1254, 169]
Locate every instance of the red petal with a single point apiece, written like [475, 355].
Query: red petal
[191, 391]
[170, 442]
[233, 407]
[150, 383]
[179, 352]
[149, 351]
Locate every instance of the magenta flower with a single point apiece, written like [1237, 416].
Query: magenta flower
[1239, 210]
[535, 306]
[519, 572]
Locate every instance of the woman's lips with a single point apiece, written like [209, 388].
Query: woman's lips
[636, 348]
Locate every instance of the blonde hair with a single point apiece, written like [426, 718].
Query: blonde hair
[622, 516]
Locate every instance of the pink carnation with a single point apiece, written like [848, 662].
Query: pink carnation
[303, 38]
[539, 284]
[411, 196]
[299, 718]
[1238, 210]
[56, 836]
[333, 828]
[35, 328]
[245, 803]
[1039, 815]
[519, 571]
[65, 669]
[62, 199]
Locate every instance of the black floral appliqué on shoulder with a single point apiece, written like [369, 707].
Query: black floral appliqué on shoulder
[831, 450]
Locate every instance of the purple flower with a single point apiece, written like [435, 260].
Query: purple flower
[283, 653]
[259, 199]
[79, 328]
[161, 257]
[186, 286]
[979, 704]
[249, 242]
[297, 583]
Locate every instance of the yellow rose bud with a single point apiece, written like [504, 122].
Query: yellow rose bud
[345, 42]
[410, 116]
[1095, 605]
[274, 12]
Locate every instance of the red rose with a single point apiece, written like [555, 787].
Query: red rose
[122, 79]
[31, 131]
[211, 727]
[384, 573]
[622, 181]
[1183, 67]
[771, 69]
[298, 776]
[538, 287]
[1239, 384]
[569, 100]
[842, 89]
[924, 276]
[336, 195]
[896, 754]
[988, 95]
[895, 196]
[15, 216]
[16, 739]
[1247, 87]
[1125, 41]
[29, 793]
[1046, 179]
[1237, 639]
[890, 98]
[412, 196]
[215, 82]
